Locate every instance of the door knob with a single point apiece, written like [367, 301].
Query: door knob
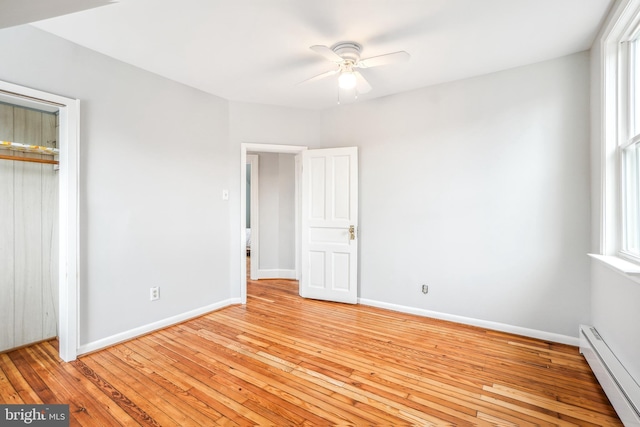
[352, 232]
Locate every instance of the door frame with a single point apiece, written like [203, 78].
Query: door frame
[246, 147]
[68, 206]
[254, 211]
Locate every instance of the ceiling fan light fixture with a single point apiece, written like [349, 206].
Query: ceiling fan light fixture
[347, 80]
[346, 59]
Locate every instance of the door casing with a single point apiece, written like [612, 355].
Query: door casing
[68, 205]
[263, 148]
[254, 163]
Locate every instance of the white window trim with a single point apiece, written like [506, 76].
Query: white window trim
[624, 19]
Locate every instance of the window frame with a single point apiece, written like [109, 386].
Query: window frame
[615, 67]
[628, 143]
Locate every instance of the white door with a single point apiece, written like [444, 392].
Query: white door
[330, 224]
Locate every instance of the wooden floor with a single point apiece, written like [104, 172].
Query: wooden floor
[281, 360]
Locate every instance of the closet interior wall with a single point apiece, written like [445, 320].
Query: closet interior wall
[28, 231]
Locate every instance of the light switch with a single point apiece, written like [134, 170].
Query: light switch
[225, 194]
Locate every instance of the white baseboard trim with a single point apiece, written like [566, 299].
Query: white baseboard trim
[502, 327]
[276, 274]
[143, 330]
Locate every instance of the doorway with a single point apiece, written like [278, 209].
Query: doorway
[68, 222]
[28, 225]
[245, 150]
[271, 201]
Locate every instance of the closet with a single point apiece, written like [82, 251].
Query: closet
[28, 226]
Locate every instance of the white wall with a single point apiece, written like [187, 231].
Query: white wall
[614, 298]
[154, 159]
[480, 189]
[614, 307]
[262, 124]
[277, 214]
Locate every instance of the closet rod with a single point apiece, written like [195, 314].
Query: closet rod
[26, 148]
[28, 159]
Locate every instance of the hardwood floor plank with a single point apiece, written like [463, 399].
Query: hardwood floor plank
[31, 377]
[84, 411]
[166, 396]
[14, 376]
[324, 389]
[226, 360]
[164, 373]
[319, 395]
[123, 380]
[118, 398]
[551, 419]
[229, 402]
[572, 411]
[284, 360]
[177, 389]
[9, 393]
[75, 390]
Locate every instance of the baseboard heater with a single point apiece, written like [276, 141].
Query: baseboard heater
[621, 389]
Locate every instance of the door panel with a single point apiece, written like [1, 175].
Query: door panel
[317, 191]
[329, 211]
[342, 190]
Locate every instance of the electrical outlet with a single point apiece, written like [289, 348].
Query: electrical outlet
[154, 293]
[425, 289]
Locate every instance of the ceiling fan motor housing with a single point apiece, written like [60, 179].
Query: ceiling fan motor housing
[348, 50]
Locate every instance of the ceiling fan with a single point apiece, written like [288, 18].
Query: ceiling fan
[346, 55]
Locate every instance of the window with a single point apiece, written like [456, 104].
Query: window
[629, 148]
[620, 60]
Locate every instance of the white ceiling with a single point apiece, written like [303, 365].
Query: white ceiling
[257, 50]
[16, 12]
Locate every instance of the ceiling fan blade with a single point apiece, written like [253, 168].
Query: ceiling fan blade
[327, 53]
[362, 85]
[319, 77]
[388, 58]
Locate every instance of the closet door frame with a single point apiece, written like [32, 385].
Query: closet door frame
[68, 204]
